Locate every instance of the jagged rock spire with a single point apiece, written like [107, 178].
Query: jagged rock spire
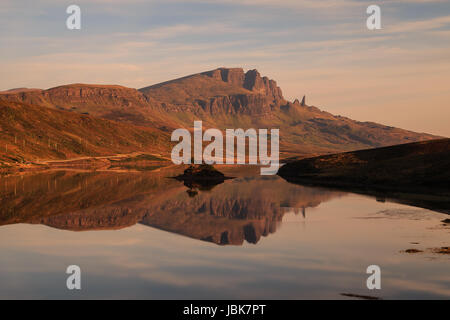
[303, 103]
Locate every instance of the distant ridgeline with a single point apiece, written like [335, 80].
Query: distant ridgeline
[87, 120]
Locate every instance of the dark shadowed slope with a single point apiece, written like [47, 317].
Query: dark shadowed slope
[420, 168]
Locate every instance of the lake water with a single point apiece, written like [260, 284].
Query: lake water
[142, 235]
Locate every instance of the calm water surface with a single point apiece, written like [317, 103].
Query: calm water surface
[142, 235]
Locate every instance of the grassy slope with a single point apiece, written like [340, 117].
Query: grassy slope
[29, 133]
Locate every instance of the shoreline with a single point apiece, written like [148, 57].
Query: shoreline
[97, 163]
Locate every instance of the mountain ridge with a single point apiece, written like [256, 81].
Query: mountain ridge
[222, 98]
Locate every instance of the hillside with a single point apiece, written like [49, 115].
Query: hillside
[412, 166]
[111, 102]
[415, 174]
[30, 133]
[205, 88]
[222, 98]
[230, 98]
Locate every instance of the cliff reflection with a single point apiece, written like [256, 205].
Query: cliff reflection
[244, 209]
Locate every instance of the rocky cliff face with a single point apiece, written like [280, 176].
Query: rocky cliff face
[251, 80]
[236, 104]
[233, 76]
[100, 95]
[263, 95]
[223, 91]
[262, 85]
[80, 95]
[34, 97]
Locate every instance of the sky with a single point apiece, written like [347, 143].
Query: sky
[398, 75]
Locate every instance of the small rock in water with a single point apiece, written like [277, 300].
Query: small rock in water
[202, 171]
[201, 177]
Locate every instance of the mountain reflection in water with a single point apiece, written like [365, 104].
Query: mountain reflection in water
[238, 210]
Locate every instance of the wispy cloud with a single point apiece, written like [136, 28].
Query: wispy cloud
[419, 25]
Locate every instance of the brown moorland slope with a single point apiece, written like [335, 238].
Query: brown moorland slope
[31, 133]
